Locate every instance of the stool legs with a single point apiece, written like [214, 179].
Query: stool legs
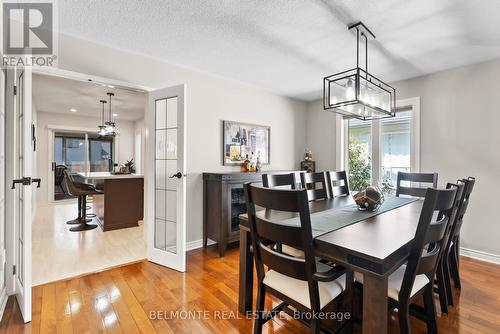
[83, 226]
[77, 220]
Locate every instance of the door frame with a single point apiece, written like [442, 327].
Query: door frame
[10, 166]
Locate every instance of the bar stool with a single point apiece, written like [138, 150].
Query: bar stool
[59, 181]
[82, 190]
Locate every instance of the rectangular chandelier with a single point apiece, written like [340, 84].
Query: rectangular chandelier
[355, 93]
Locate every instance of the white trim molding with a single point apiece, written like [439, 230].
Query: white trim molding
[480, 255]
[195, 244]
[342, 139]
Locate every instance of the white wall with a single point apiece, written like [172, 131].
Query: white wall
[210, 100]
[140, 126]
[320, 129]
[459, 138]
[125, 148]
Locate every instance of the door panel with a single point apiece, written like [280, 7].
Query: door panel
[23, 192]
[166, 178]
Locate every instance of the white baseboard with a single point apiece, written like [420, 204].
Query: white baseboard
[191, 245]
[479, 255]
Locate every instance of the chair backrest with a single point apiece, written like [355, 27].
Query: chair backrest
[279, 180]
[337, 183]
[430, 237]
[431, 178]
[460, 187]
[58, 174]
[59, 178]
[468, 187]
[310, 182]
[265, 232]
[68, 184]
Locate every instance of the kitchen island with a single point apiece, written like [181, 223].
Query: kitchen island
[122, 204]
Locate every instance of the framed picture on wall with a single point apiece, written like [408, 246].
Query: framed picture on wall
[241, 140]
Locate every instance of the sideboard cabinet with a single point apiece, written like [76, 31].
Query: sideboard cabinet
[223, 202]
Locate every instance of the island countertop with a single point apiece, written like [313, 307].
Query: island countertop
[108, 175]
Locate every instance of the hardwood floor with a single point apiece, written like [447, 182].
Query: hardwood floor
[121, 300]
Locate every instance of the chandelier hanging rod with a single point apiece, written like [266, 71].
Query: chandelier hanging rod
[364, 31]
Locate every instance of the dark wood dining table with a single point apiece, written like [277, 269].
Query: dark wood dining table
[375, 247]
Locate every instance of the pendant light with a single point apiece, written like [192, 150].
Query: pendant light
[355, 93]
[110, 125]
[102, 127]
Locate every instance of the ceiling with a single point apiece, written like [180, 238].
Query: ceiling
[60, 95]
[288, 46]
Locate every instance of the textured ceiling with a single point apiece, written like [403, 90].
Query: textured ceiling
[288, 46]
[59, 95]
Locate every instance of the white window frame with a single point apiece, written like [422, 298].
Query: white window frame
[342, 139]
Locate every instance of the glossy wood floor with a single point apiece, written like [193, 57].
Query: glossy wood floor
[120, 301]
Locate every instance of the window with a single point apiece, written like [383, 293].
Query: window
[81, 153]
[70, 151]
[101, 155]
[359, 153]
[395, 146]
[374, 152]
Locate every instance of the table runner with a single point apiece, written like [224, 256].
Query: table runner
[330, 220]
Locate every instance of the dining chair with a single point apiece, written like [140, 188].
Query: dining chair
[454, 251]
[303, 283]
[282, 181]
[430, 178]
[416, 277]
[337, 183]
[443, 272]
[310, 182]
[279, 180]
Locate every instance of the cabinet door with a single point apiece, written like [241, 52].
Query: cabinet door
[236, 205]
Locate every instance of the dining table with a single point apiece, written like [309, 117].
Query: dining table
[373, 244]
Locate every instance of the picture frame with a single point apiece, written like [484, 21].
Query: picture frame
[240, 139]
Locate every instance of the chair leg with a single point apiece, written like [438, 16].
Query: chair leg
[83, 226]
[447, 279]
[443, 300]
[454, 267]
[77, 220]
[430, 310]
[314, 326]
[404, 318]
[259, 309]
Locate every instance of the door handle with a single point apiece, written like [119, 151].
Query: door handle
[37, 181]
[178, 175]
[25, 181]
